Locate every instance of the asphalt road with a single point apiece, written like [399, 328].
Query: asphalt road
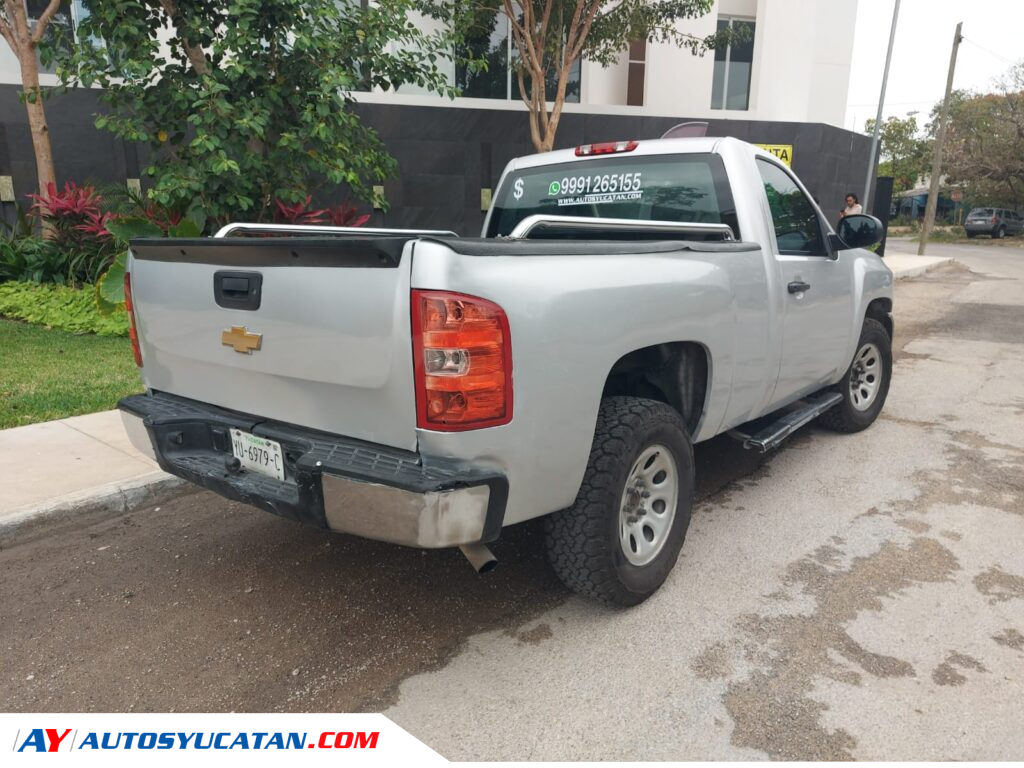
[848, 597]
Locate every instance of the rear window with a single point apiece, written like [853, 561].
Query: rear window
[679, 188]
[981, 212]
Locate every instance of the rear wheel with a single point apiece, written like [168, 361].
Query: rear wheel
[620, 539]
[1000, 233]
[970, 235]
[866, 383]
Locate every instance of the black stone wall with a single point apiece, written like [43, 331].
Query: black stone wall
[445, 154]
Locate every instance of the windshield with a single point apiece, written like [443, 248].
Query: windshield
[679, 188]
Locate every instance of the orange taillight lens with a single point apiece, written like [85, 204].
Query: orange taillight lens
[463, 362]
[133, 334]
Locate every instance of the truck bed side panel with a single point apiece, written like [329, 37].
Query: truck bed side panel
[571, 318]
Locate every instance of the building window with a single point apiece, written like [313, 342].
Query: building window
[730, 88]
[636, 76]
[489, 39]
[60, 32]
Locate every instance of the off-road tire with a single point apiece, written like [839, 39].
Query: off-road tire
[845, 417]
[582, 541]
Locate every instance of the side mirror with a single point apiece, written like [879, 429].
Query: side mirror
[859, 231]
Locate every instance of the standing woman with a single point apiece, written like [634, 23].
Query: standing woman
[852, 206]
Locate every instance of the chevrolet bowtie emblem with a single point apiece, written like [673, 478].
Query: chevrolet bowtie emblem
[241, 340]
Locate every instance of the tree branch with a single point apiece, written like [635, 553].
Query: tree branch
[43, 22]
[194, 54]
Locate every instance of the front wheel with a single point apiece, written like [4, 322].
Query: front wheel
[620, 539]
[865, 385]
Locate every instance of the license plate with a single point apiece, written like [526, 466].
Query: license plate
[258, 454]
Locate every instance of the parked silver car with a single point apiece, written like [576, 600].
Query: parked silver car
[626, 301]
[997, 222]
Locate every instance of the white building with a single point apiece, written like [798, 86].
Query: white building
[796, 68]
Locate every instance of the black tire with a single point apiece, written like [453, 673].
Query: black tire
[846, 416]
[1000, 233]
[971, 235]
[582, 542]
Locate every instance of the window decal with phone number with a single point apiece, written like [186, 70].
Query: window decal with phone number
[596, 188]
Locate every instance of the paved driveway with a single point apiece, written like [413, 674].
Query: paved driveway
[851, 596]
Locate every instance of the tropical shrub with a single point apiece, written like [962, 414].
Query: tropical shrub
[77, 226]
[32, 260]
[61, 307]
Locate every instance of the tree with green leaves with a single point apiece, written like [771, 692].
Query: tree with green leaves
[552, 36]
[984, 148]
[27, 37]
[248, 101]
[902, 152]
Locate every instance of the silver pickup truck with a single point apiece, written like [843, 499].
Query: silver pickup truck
[626, 301]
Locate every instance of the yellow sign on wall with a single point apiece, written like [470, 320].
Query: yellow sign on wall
[782, 151]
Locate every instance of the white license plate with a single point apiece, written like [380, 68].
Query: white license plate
[258, 453]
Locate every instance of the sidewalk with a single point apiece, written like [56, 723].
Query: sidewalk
[901, 257]
[58, 465]
[904, 265]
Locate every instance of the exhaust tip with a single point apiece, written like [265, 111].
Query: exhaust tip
[480, 557]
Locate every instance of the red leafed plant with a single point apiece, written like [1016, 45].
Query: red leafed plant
[346, 215]
[298, 213]
[95, 225]
[162, 217]
[72, 202]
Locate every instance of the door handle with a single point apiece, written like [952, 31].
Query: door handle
[237, 290]
[799, 286]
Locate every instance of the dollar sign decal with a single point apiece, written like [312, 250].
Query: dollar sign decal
[517, 189]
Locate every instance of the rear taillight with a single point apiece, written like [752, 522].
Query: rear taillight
[607, 148]
[462, 355]
[133, 334]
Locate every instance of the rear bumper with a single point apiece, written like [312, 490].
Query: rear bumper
[333, 482]
[980, 228]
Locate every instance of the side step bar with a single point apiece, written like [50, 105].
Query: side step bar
[768, 436]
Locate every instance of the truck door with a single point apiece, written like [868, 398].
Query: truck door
[818, 300]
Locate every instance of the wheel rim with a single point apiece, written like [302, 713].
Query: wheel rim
[865, 377]
[648, 505]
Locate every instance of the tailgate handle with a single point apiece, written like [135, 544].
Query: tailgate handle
[238, 290]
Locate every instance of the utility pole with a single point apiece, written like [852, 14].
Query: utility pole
[881, 102]
[940, 136]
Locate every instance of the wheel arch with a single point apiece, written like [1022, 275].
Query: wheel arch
[881, 310]
[677, 373]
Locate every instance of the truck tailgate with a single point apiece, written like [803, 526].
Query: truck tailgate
[330, 317]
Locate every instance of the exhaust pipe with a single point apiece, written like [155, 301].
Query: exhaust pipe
[480, 557]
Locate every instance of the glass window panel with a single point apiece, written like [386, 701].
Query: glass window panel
[681, 188]
[487, 39]
[796, 222]
[730, 84]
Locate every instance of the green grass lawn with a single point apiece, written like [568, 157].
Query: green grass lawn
[47, 374]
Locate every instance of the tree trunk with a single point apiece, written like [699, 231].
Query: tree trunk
[45, 172]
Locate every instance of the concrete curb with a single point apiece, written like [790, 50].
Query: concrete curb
[118, 496]
[903, 274]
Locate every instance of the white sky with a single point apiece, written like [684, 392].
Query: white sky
[993, 39]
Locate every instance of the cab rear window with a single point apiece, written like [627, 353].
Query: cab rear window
[679, 188]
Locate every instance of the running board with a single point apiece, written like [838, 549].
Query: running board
[768, 436]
